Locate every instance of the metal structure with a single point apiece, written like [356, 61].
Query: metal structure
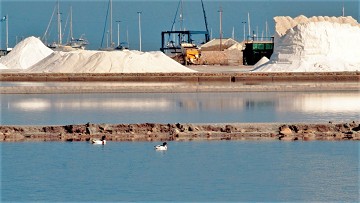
[182, 37]
[182, 46]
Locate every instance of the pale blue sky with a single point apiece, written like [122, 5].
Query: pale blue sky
[31, 17]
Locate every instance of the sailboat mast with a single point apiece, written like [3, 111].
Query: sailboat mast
[71, 27]
[59, 23]
[111, 32]
[181, 15]
[7, 31]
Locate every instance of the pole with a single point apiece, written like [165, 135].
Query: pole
[7, 31]
[249, 24]
[244, 23]
[127, 37]
[139, 12]
[118, 31]
[220, 11]
[233, 33]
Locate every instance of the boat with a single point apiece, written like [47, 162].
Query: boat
[73, 43]
[112, 47]
[76, 43]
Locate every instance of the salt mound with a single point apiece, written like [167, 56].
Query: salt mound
[25, 54]
[317, 44]
[86, 61]
[285, 23]
[262, 61]
[2, 66]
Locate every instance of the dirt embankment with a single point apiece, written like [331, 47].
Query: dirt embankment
[223, 76]
[183, 132]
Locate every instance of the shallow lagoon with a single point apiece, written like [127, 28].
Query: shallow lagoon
[189, 171]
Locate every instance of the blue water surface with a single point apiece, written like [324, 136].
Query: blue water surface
[216, 171]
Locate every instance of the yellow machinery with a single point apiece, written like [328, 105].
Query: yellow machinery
[191, 53]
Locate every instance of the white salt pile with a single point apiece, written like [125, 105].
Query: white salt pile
[2, 66]
[262, 61]
[25, 54]
[317, 44]
[85, 61]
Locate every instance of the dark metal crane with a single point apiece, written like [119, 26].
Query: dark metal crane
[207, 36]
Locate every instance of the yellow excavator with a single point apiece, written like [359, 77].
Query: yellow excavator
[191, 53]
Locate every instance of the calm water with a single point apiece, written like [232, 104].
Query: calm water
[61, 109]
[189, 171]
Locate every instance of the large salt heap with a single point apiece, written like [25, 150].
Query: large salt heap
[25, 54]
[86, 61]
[2, 66]
[314, 44]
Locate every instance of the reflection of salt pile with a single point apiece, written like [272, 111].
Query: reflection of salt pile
[25, 54]
[84, 61]
[314, 45]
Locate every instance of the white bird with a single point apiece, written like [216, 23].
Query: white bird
[161, 147]
[97, 141]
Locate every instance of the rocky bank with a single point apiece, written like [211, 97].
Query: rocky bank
[183, 132]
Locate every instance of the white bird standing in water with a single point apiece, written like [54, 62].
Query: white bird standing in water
[97, 141]
[161, 147]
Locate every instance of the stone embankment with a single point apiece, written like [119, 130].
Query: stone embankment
[183, 132]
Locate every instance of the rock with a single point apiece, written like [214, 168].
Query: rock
[69, 128]
[356, 128]
[309, 137]
[285, 130]
[89, 131]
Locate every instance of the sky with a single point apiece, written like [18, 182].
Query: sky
[31, 18]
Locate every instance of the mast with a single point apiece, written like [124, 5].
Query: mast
[71, 27]
[266, 29]
[111, 29]
[181, 15]
[59, 24]
[7, 31]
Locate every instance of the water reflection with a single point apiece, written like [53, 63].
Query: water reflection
[179, 107]
[328, 102]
